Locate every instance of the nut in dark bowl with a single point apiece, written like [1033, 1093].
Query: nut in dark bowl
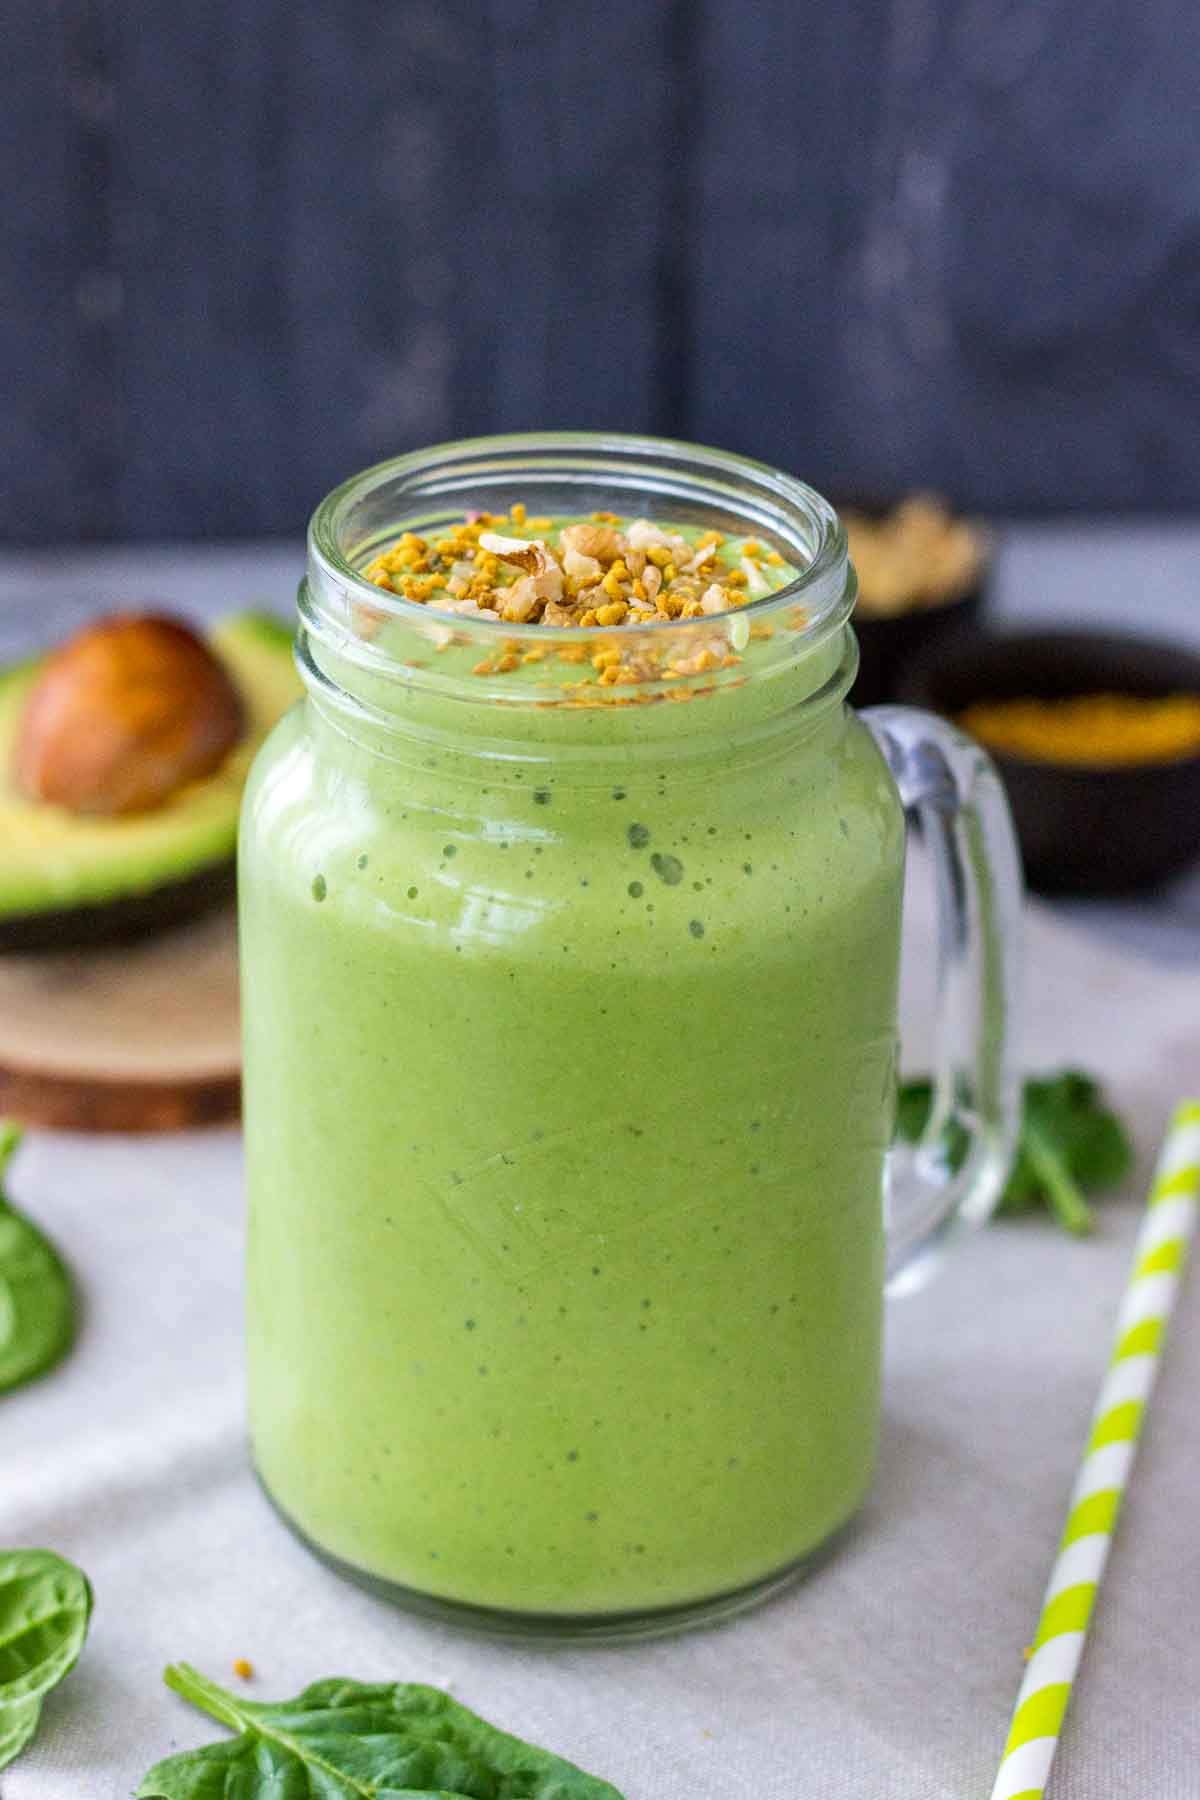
[1097, 739]
[921, 572]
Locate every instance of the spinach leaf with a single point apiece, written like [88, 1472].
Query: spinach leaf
[37, 1312]
[1067, 1122]
[1071, 1144]
[350, 1740]
[45, 1606]
[17, 1726]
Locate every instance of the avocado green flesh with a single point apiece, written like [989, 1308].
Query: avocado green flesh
[52, 860]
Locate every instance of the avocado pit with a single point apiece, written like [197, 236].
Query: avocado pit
[123, 715]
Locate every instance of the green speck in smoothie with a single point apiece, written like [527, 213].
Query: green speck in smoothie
[319, 889]
[412, 893]
[541, 796]
[638, 835]
[362, 861]
[668, 868]
[696, 927]
[449, 850]
[636, 890]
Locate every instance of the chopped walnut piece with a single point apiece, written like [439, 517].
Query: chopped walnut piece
[583, 568]
[531, 554]
[599, 541]
[542, 582]
[522, 600]
[522, 551]
[560, 615]
[642, 534]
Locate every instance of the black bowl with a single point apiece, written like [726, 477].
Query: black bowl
[1088, 830]
[889, 645]
[889, 642]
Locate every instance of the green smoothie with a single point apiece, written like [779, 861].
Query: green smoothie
[569, 1074]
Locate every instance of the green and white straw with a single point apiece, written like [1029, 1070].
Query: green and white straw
[1159, 1258]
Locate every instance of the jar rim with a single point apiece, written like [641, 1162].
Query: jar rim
[798, 514]
[361, 638]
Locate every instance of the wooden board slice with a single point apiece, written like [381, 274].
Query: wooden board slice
[138, 1036]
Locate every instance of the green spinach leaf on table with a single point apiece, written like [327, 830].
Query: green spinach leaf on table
[45, 1607]
[37, 1307]
[1071, 1144]
[349, 1740]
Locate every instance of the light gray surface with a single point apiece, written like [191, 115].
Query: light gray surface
[1118, 574]
[888, 1675]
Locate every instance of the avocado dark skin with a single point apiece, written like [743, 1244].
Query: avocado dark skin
[116, 921]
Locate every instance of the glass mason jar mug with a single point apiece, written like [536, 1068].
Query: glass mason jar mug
[570, 1052]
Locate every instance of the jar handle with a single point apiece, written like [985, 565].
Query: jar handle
[955, 1175]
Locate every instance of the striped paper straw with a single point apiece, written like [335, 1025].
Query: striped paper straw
[1159, 1257]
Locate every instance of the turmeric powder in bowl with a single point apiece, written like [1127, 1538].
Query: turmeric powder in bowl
[1092, 731]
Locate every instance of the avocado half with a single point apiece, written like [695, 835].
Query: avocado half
[67, 879]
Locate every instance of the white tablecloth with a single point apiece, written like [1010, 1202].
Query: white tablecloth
[888, 1675]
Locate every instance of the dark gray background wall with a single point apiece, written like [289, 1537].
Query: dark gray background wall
[254, 244]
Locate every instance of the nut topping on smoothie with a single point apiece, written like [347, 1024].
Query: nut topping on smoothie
[540, 585]
[599, 571]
